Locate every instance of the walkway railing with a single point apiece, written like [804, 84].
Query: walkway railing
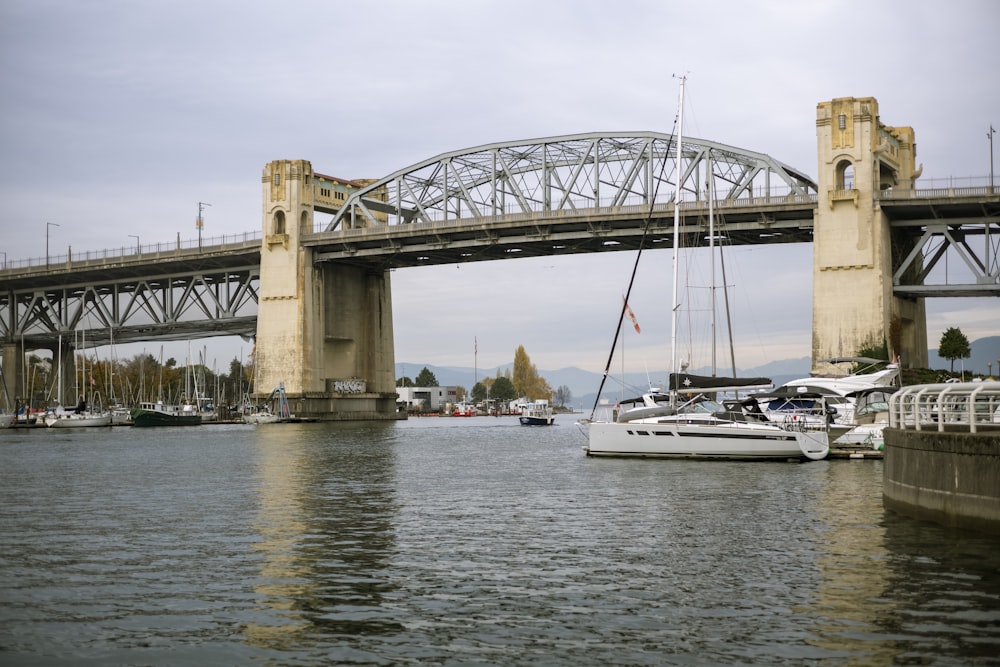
[150, 250]
[217, 242]
[950, 406]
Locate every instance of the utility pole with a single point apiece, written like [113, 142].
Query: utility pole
[200, 222]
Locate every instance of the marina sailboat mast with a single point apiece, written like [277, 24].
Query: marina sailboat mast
[678, 176]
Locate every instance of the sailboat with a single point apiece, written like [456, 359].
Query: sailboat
[83, 415]
[684, 422]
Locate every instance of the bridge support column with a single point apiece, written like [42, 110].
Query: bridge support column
[324, 332]
[854, 310]
[12, 380]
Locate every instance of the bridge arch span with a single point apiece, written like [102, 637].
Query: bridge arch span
[569, 172]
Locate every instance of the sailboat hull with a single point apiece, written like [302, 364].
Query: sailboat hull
[725, 440]
[79, 421]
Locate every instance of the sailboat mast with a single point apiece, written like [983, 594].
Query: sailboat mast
[677, 225]
[711, 248]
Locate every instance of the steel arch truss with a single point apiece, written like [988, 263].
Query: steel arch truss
[927, 258]
[168, 307]
[567, 173]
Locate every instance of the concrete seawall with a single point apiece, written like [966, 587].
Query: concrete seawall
[952, 478]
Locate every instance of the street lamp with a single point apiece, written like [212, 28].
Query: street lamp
[47, 225]
[138, 248]
[990, 136]
[200, 222]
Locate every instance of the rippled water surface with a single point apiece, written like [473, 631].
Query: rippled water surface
[450, 541]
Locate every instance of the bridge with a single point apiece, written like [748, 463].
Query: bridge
[317, 296]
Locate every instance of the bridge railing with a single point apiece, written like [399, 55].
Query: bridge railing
[638, 209]
[150, 250]
[938, 193]
[949, 406]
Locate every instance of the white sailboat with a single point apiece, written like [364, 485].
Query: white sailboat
[684, 422]
[83, 415]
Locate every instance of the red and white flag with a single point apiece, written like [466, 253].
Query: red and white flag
[631, 316]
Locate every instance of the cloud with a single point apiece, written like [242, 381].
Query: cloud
[119, 117]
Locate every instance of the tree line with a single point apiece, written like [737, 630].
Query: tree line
[521, 382]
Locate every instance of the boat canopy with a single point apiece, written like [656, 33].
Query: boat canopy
[685, 382]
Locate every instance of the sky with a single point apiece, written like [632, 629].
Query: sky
[119, 116]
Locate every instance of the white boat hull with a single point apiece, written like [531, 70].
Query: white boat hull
[79, 421]
[725, 440]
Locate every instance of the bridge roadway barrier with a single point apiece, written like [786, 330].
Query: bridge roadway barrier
[942, 454]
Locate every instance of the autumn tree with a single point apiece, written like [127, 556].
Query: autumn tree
[954, 345]
[526, 380]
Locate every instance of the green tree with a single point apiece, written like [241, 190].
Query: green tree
[954, 345]
[481, 389]
[425, 378]
[502, 389]
[404, 382]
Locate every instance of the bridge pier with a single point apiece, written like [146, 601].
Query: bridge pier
[854, 308]
[324, 331]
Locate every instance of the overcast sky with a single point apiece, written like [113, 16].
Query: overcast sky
[119, 116]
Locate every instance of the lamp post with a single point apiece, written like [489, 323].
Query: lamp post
[200, 222]
[138, 248]
[990, 136]
[47, 225]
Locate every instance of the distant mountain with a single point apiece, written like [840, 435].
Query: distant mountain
[984, 351]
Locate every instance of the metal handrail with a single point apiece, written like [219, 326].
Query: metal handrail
[146, 250]
[215, 243]
[946, 406]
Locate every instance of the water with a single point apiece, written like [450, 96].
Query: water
[449, 541]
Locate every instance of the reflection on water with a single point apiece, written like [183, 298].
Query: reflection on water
[853, 565]
[325, 522]
[893, 590]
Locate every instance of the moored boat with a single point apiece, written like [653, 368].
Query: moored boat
[657, 426]
[685, 422]
[80, 417]
[79, 420]
[464, 410]
[161, 414]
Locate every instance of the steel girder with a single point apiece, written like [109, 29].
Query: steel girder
[169, 306]
[565, 173]
[945, 242]
[940, 240]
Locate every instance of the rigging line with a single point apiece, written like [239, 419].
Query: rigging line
[635, 265]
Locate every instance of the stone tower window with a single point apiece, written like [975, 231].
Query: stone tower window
[279, 221]
[845, 175]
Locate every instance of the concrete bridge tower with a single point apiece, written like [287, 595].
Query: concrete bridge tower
[324, 331]
[853, 305]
